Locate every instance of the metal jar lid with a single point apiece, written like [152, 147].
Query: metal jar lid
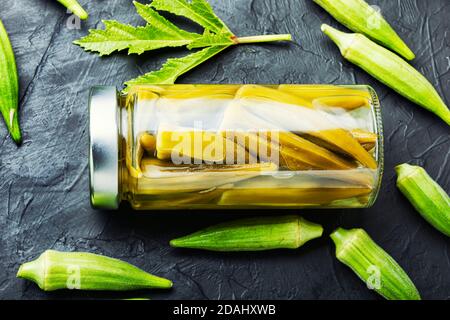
[104, 147]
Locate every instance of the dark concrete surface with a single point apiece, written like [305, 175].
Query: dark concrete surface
[44, 197]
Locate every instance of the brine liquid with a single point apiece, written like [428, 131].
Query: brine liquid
[239, 146]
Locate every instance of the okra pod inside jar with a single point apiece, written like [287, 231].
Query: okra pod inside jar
[235, 146]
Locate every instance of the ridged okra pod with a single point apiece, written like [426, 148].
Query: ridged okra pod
[432, 202]
[9, 86]
[55, 270]
[75, 7]
[390, 69]
[254, 234]
[373, 265]
[359, 16]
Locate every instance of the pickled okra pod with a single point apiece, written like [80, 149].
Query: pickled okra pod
[390, 69]
[172, 141]
[312, 197]
[55, 270]
[177, 200]
[294, 152]
[373, 265]
[320, 91]
[366, 139]
[359, 16]
[254, 234]
[428, 197]
[339, 138]
[198, 180]
[346, 102]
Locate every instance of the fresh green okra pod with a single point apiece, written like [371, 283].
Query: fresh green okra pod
[432, 202]
[373, 265]
[390, 69]
[254, 234]
[359, 16]
[9, 86]
[55, 270]
[75, 7]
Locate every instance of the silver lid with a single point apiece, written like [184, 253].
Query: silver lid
[104, 147]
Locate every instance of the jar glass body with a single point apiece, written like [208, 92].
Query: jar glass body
[249, 146]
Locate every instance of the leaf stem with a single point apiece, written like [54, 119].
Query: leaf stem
[264, 38]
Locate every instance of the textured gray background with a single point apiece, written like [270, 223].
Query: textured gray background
[44, 198]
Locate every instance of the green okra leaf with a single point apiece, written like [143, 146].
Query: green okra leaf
[118, 36]
[9, 86]
[253, 234]
[390, 69]
[161, 33]
[373, 265]
[359, 16]
[429, 199]
[174, 68]
[55, 270]
[158, 33]
[161, 24]
[196, 10]
[75, 7]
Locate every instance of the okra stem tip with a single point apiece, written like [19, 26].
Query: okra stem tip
[309, 231]
[341, 39]
[32, 271]
[405, 170]
[339, 236]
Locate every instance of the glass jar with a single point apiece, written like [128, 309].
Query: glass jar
[235, 146]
